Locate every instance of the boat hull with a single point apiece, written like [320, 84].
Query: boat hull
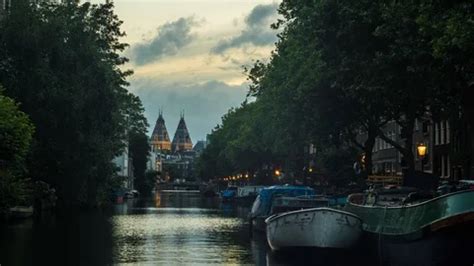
[258, 223]
[439, 231]
[317, 227]
[449, 246]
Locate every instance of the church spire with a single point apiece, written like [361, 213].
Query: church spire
[181, 140]
[160, 140]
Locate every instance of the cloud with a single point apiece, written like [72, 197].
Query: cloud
[204, 103]
[167, 41]
[257, 30]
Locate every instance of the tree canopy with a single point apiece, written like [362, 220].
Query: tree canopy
[62, 63]
[342, 68]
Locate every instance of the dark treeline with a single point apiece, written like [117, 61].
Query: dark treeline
[345, 67]
[61, 64]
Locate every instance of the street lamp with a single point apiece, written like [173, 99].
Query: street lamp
[277, 172]
[421, 149]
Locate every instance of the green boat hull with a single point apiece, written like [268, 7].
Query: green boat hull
[414, 220]
[439, 231]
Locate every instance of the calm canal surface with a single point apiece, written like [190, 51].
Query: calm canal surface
[173, 228]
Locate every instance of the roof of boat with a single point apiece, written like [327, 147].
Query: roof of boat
[285, 190]
[287, 187]
[266, 195]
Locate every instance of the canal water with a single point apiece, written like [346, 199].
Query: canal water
[172, 228]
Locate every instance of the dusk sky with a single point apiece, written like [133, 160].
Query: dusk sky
[188, 55]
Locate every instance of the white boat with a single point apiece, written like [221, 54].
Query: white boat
[277, 199]
[315, 227]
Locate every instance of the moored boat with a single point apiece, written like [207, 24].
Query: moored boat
[315, 227]
[439, 230]
[229, 194]
[247, 194]
[276, 199]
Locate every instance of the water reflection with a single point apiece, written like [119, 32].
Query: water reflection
[168, 229]
[83, 238]
[180, 228]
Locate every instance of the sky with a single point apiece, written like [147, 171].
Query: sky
[188, 55]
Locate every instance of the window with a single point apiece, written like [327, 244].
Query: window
[436, 141]
[445, 166]
[442, 133]
[447, 132]
[448, 168]
[442, 166]
[425, 127]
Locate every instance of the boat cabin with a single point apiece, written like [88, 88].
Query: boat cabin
[262, 205]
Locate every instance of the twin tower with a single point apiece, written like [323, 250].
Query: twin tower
[160, 140]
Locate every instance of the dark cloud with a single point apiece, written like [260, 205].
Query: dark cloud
[257, 30]
[260, 14]
[204, 104]
[169, 38]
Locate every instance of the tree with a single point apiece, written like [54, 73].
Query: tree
[344, 67]
[62, 63]
[139, 150]
[16, 133]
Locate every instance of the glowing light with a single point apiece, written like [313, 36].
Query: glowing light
[421, 150]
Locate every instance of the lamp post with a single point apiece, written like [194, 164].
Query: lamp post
[421, 149]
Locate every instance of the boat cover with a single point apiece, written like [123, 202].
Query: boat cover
[229, 192]
[262, 204]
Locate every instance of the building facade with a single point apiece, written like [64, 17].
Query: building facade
[124, 165]
[181, 140]
[160, 140]
[172, 160]
[449, 152]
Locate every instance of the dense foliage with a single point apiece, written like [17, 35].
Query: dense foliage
[345, 67]
[61, 62]
[16, 133]
[139, 150]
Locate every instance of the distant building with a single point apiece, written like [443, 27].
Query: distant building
[160, 140]
[200, 146]
[181, 140]
[125, 168]
[176, 157]
[151, 164]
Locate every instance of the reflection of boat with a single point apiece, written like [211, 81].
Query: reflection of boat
[315, 227]
[247, 194]
[436, 228]
[276, 199]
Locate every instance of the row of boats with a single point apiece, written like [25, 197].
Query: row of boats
[388, 223]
